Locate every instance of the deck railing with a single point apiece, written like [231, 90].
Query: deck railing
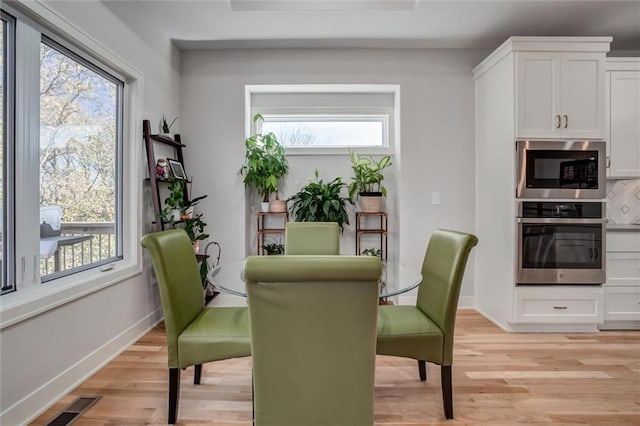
[101, 245]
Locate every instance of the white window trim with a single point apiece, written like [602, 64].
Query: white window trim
[32, 298]
[393, 124]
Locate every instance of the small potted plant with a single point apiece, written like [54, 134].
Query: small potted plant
[175, 201]
[321, 201]
[273, 248]
[194, 227]
[265, 163]
[367, 182]
[166, 126]
[372, 252]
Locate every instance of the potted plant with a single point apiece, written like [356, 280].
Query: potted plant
[194, 227]
[372, 252]
[166, 126]
[265, 163]
[321, 202]
[273, 248]
[175, 202]
[367, 181]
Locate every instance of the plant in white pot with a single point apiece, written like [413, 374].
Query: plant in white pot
[175, 201]
[367, 181]
[265, 164]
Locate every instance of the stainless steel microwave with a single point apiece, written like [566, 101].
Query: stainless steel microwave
[561, 169]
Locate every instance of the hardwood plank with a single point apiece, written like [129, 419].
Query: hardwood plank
[498, 379]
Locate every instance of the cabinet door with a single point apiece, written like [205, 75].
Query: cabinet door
[623, 269]
[624, 123]
[582, 110]
[560, 95]
[622, 304]
[538, 95]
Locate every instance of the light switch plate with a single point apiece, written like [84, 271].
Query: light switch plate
[435, 198]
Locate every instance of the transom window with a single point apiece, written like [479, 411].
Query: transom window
[328, 131]
[327, 119]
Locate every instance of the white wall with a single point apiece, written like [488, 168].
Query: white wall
[45, 356]
[437, 134]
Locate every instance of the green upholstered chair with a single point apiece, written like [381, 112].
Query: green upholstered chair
[313, 338]
[195, 334]
[318, 238]
[425, 331]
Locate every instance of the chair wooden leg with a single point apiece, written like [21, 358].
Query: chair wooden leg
[197, 374]
[422, 370]
[447, 391]
[174, 394]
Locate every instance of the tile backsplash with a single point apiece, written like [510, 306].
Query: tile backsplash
[623, 201]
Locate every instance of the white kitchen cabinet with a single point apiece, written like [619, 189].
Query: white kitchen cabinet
[622, 289]
[623, 117]
[560, 95]
[520, 89]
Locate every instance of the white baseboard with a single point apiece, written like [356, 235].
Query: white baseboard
[466, 302]
[36, 403]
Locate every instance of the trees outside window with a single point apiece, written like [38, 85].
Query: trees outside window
[79, 134]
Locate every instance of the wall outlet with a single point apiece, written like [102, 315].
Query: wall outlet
[435, 198]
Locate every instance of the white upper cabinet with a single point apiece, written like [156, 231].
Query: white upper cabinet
[560, 95]
[623, 117]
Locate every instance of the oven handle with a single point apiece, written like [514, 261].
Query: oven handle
[576, 221]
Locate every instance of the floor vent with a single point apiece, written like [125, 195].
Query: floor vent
[74, 410]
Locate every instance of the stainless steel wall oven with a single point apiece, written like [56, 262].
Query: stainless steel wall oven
[561, 169]
[561, 242]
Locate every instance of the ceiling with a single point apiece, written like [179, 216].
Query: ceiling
[481, 24]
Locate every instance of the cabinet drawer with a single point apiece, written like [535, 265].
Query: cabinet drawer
[622, 304]
[623, 241]
[559, 308]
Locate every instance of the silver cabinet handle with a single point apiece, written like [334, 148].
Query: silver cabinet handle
[558, 121]
[559, 307]
[608, 162]
[566, 121]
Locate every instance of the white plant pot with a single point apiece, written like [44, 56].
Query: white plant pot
[370, 204]
[175, 215]
[264, 206]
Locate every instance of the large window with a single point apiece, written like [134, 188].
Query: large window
[62, 194]
[79, 134]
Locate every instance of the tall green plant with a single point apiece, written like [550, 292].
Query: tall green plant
[321, 202]
[368, 174]
[265, 162]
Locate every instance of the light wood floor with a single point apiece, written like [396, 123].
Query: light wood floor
[499, 379]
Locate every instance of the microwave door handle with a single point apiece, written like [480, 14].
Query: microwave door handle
[547, 220]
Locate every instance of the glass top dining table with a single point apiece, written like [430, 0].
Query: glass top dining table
[396, 278]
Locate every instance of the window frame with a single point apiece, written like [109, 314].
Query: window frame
[32, 297]
[391, 112]
[98, 68]
[8, 169]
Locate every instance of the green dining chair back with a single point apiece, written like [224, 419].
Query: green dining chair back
[195, 334]
[313, 338]
[315, 238]
[425, 332]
